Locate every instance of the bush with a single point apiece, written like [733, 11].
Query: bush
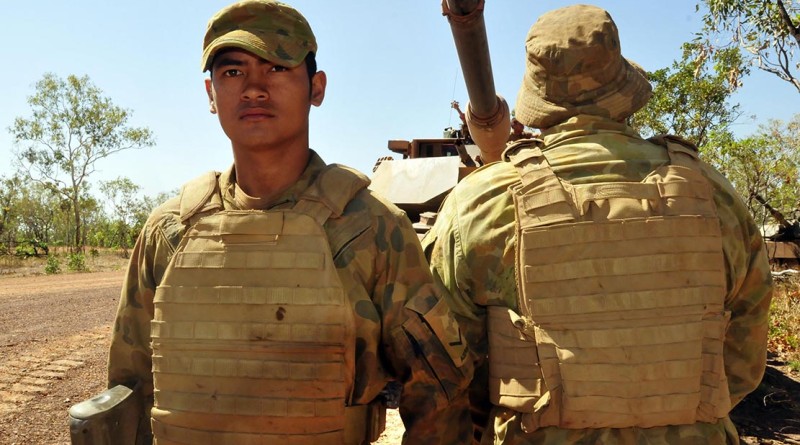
[77, 262]
[31, 247]
[784, 332]
[53, 265]
[24, 250]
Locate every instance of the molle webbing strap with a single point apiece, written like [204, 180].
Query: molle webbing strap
[681, 152]
[253, 335]
[540, 196]
[621, 318]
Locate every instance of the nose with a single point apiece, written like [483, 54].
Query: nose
[255, 87]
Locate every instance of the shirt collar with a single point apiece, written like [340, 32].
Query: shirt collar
[584, 125]
[287, 198]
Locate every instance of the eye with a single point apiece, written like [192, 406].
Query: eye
[279, 68]
[233, 72]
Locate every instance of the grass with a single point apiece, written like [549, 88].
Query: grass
[784, 330]
[93, 260]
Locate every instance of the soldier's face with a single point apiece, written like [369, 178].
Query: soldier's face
[262, 105]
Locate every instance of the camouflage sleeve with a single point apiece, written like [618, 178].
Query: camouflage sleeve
[422, 342]
[749, 284]
[129, 360]
[452, 276]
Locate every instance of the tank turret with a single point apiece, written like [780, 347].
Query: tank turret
[430, 168]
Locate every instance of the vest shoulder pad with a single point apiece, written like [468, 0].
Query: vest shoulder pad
[196, 195]
[512, 150]
[336, 186]
[676, 144]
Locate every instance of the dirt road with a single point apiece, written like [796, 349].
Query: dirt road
[53, 340]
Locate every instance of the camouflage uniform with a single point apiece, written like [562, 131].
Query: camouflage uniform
[388, 283]
[579, 89]
[471, 249]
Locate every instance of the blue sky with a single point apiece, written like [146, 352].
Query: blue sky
[392, 72]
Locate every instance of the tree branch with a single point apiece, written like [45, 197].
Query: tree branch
[787, 21]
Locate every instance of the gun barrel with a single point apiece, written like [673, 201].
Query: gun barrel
[487, 114]
[472, 46]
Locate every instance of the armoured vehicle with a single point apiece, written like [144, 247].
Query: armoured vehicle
[425, 173]
[429, 168]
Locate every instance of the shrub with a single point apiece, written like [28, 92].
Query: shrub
[53, 265]
[77, 262]
[784, 335]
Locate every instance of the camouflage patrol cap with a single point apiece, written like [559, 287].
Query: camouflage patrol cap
[575, 66]
[269, 29]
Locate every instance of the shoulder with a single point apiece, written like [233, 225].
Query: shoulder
[165, 221]
[484, 187]
[480, 209]
[171, 217]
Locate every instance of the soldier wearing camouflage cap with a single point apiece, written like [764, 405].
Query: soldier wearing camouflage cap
[614, 289]
[274, 302]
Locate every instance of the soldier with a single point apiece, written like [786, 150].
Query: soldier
[273, 302]
[614, 289]
[518, 131]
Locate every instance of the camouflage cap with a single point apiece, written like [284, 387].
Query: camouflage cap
[575, 66]
[269, 29]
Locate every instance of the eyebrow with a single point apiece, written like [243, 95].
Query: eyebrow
[226, 60]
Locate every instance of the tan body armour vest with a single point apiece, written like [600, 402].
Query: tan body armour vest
[253, 334]
[621, 289]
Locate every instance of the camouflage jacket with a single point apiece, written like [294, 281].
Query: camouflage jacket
[404, 331]
[471, 249]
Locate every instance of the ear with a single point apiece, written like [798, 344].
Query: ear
[318, 84]
[209, 90]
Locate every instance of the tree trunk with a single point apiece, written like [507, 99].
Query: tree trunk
[78, 247]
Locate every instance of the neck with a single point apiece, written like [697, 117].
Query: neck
[265, 174]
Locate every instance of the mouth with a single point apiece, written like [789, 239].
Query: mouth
[255, 114]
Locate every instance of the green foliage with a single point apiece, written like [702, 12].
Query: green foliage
[767, 30]
[24, 250]
[76, 262]
[765, 165]
[72, 127]
[36, 211]
[121, 194]
[53, 266]
[31, 247]
[690, 98]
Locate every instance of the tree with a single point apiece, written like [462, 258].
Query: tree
[765, 166]
[121, 193]
[37, 211]
[690, 99]
[766, 29]
[9, 194]
[71, 128]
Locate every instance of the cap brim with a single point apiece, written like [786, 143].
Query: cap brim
[250, 42]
